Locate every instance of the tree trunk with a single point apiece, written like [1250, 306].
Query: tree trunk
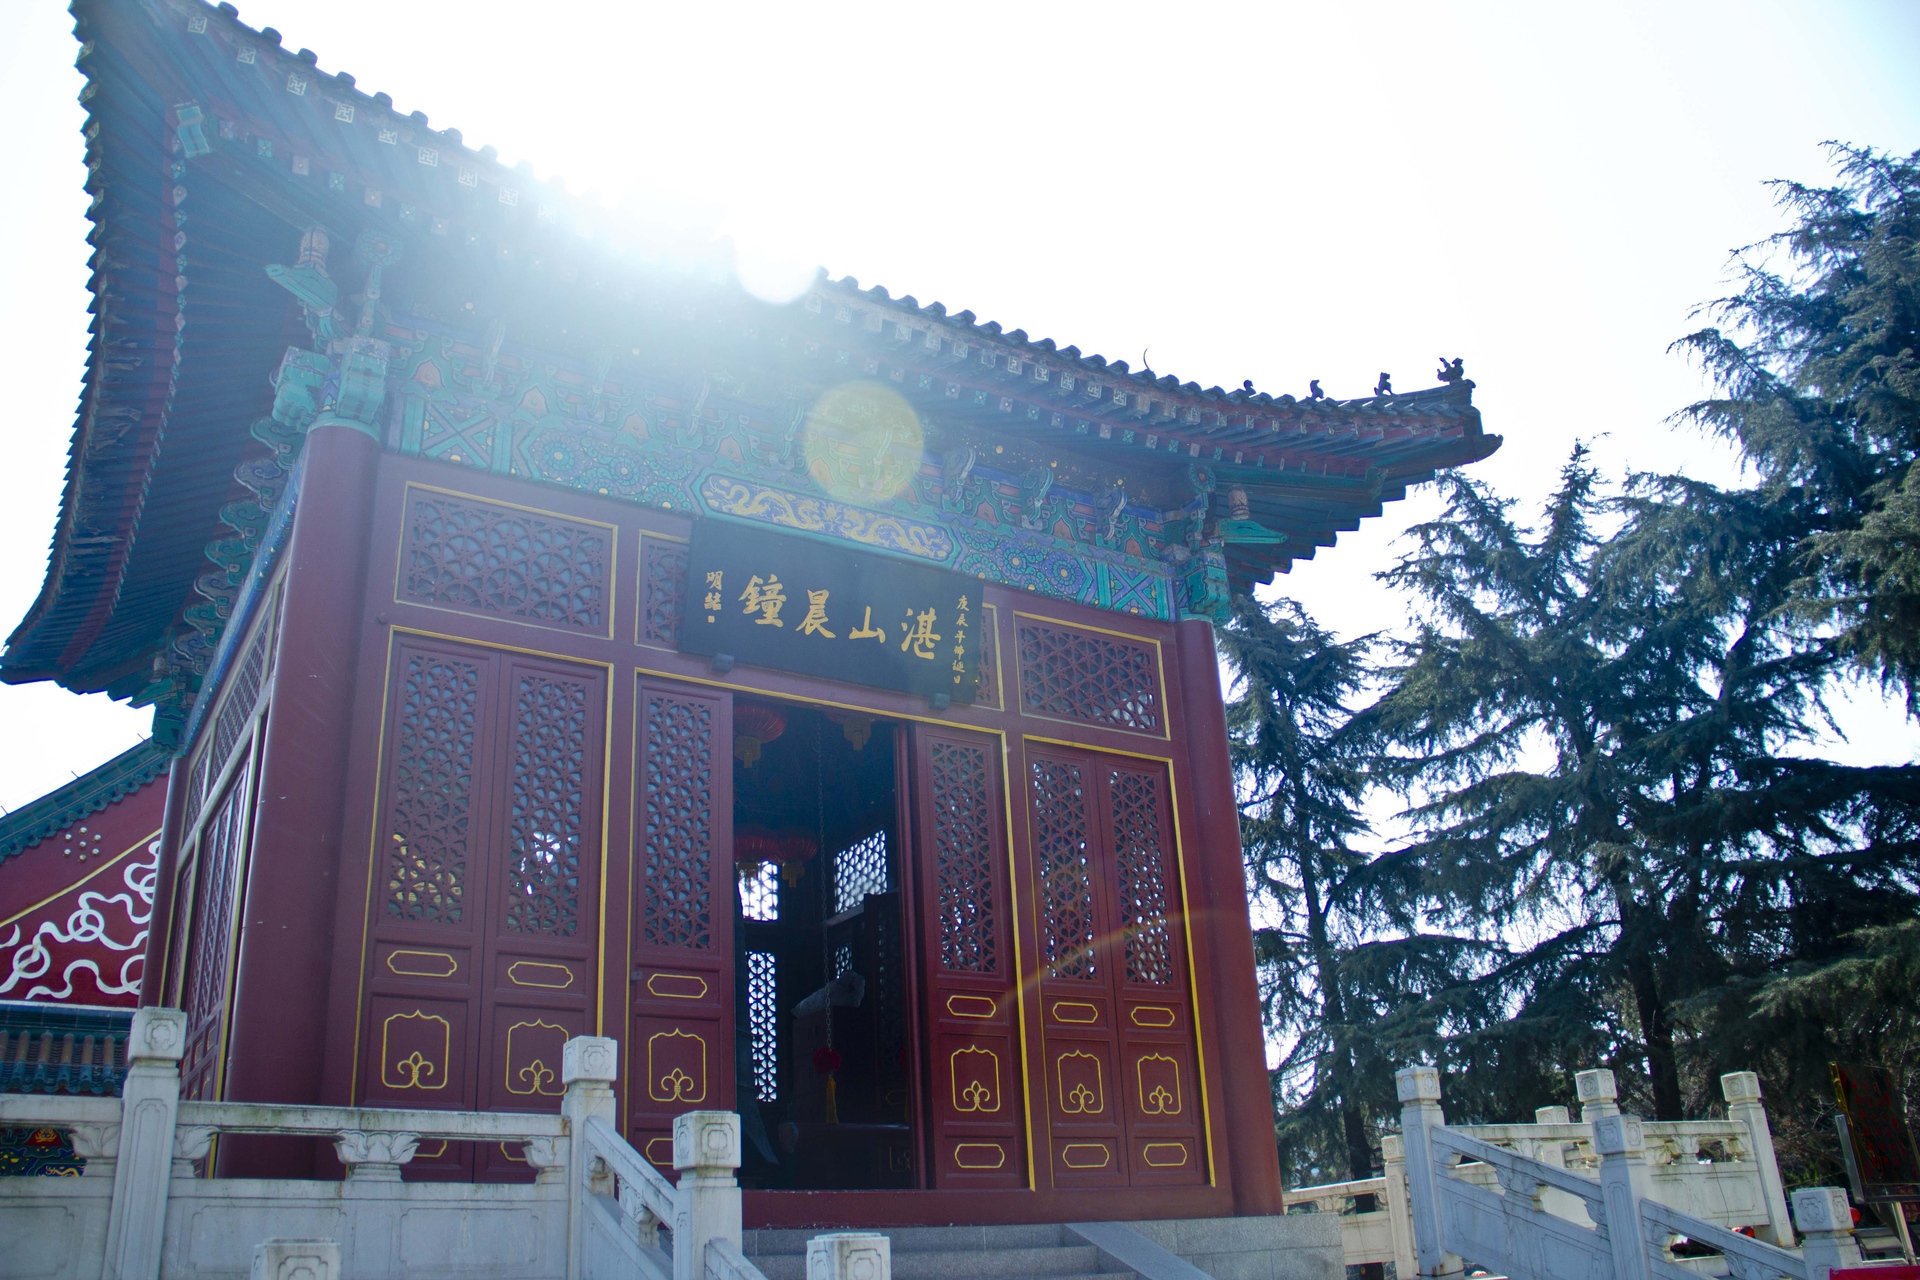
[1657, 1030]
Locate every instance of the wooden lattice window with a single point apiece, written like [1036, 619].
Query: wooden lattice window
[1066, 869]
[763, 1021]
[461, 553]
[663, 576]
[551, 718]
[963, 857]
[1085, 675]
[860, 869]
[1141, 863]
[431, 812]
[679, 830]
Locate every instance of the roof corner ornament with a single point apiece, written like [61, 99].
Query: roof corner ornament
[1314, 392]
[1453, 372]
[1384, 387]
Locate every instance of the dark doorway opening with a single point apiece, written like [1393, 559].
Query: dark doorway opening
[821, 1028]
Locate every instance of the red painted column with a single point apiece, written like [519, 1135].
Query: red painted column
[278, 1034]
[1253, 1158]
[153, 972]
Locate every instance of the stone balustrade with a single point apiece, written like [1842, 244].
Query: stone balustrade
[143, 1207]
[1722, 1172]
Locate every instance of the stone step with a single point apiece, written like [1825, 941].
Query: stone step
[772, 1240]
[1052, 1261]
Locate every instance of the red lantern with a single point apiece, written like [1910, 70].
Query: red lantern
[754, 725]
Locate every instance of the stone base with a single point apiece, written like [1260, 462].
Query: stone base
[1300, 1246]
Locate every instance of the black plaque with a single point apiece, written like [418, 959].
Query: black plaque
[799, 605]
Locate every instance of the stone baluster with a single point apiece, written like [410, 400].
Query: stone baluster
[850, 1255]
[149, 1104]
[1826, 1219]
[548, 1157]
[1741, 1089]
[706, 1151]
[1621, 1141]
[1419, 1091]
[99, 1146]
[588, 1067]
[1393, 1159]
[374, 1156]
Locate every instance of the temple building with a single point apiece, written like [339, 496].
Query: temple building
[545, 636]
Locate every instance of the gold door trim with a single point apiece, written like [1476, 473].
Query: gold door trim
[680, 1087]
[451, 967]
[977, 1153]
[1152, 1016]
[978, 1095]
[415, 1065]
[537, 969]
[661, 984]
[1073, 1155]
[966, 1006]
[1149, 1152]
[1077, 1006]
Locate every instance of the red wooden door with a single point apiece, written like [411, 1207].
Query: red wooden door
[973, 1069]
[680, 1055]
[1120, 1059]
[484, 920]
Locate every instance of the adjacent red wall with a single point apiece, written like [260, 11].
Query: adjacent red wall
[74, 908]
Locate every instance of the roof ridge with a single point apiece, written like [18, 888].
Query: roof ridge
[87, 794]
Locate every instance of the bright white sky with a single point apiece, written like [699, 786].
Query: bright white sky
[1268, 191]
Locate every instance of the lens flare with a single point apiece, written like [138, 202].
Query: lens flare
[863, 442]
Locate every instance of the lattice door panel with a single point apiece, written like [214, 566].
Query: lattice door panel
[484, 913]
[680, 1055]
[973, 1060]
[1123, 1103]
[219, 878]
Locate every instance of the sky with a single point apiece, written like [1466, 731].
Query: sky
[1275, 192]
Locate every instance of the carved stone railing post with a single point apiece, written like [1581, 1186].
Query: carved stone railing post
[1598, 1094]
[1825, 1218]
[706, 1151]
[1393, 1156]
[1620, 1142]
[374, 1156]
[1419, 1091]
[149, 1103]
[850, 1255]
[1741, 1089]
[588, 1067]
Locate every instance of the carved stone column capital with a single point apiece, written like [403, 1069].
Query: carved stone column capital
[375, 1155]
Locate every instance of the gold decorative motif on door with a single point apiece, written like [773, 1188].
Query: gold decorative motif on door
[414, 1048]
